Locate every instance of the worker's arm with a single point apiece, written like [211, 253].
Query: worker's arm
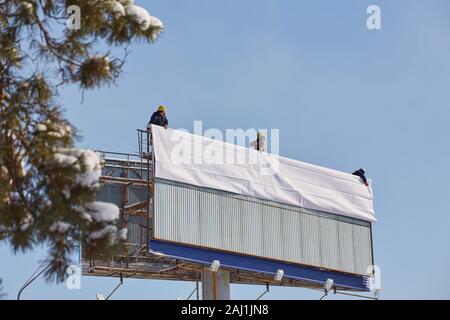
[363, 177]
[166, 122]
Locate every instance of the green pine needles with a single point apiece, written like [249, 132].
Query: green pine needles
[47, 185]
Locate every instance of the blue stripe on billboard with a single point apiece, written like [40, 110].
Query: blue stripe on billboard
[260, 265]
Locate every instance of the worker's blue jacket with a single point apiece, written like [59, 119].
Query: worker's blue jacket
[158, 119]
[360, 173]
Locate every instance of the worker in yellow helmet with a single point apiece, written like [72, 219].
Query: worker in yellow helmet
[159, 117]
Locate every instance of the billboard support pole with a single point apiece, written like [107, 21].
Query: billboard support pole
[215, 285]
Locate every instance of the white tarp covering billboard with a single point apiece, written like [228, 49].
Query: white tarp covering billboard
[183, 157]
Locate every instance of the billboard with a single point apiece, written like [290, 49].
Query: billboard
[310, 221]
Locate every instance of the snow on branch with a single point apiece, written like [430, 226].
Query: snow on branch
[143, 17]
[111, 232]
[117, 8]
[59, 227]
[90, 177]
[107, 214]
[81, 158]
[65, 160]
[103, 211]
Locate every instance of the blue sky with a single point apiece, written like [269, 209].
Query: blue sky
[341, 95]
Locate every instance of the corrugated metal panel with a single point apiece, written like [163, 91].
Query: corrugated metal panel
[311, 239]
[292, 242]
[363, 253]
[347, 256]
[219, 220]
[110, 193]
[114, 193]
[329, 243]
[136, 233]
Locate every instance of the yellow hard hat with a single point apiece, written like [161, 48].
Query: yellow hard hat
[162, 108]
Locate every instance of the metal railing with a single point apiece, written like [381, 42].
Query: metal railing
[144, 143]
[124, 166]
